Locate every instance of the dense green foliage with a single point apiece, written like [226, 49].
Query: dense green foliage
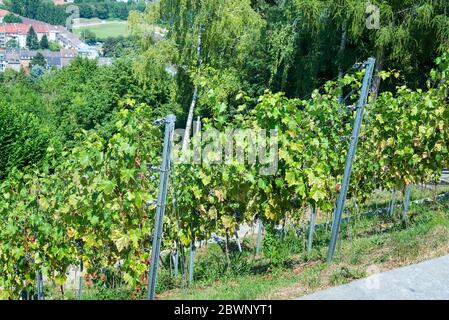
[39, 60]
[38, 9]
[88, 37]
[107, 9]
[117, 47]
[11, 18]
[32, 41]
[43, 44]
[82, 96]
[57, 15]
[12, 43]
[95, 195]
[289, 46]
[23, 139]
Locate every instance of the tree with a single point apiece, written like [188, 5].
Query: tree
[40, 10]
[86, 10]
[12, 43]
[88, 36]
[32, 41]
[403, 27]
[217, 36]
[39, 60]
[12, 18]
[54, 46]
[102, 11]
[23, 139]
[44, 42]
[37, 72]
[31, 8]
[140, 6]
[411, 34]
[119, 46]
[16, 6]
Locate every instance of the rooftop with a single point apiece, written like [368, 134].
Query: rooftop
[68, 53]
[17, 28]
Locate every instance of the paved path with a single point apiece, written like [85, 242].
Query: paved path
[428, 280]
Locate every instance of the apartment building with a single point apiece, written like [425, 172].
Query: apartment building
[66, 39]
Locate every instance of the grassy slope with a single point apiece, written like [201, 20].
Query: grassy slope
[108, 29]
[369, 246]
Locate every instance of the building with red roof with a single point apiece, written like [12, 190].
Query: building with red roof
[19, 32]
[70, 43]
[14, 31]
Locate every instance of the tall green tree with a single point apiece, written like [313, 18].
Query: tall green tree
[412, 33]
[37, 72]
[41, 10]
[32, 41]
[12, 18]
[23, 139]
[213, 41]
[88, 36]
[44, 42]
[39, 60]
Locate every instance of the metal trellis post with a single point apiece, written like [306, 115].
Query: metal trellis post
[393, 202]
[80, 283]
[161, 202]
[311, 229]
[191, 263]
[40, 285]
[238, 241]
[408, 192]
[175, 259]
[259, 237]
[350, 158]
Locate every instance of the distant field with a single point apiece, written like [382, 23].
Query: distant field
[82, 20]
[105, 29]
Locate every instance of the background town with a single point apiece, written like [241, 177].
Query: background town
[54, 38]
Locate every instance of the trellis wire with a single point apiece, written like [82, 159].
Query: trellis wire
[369, 214]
